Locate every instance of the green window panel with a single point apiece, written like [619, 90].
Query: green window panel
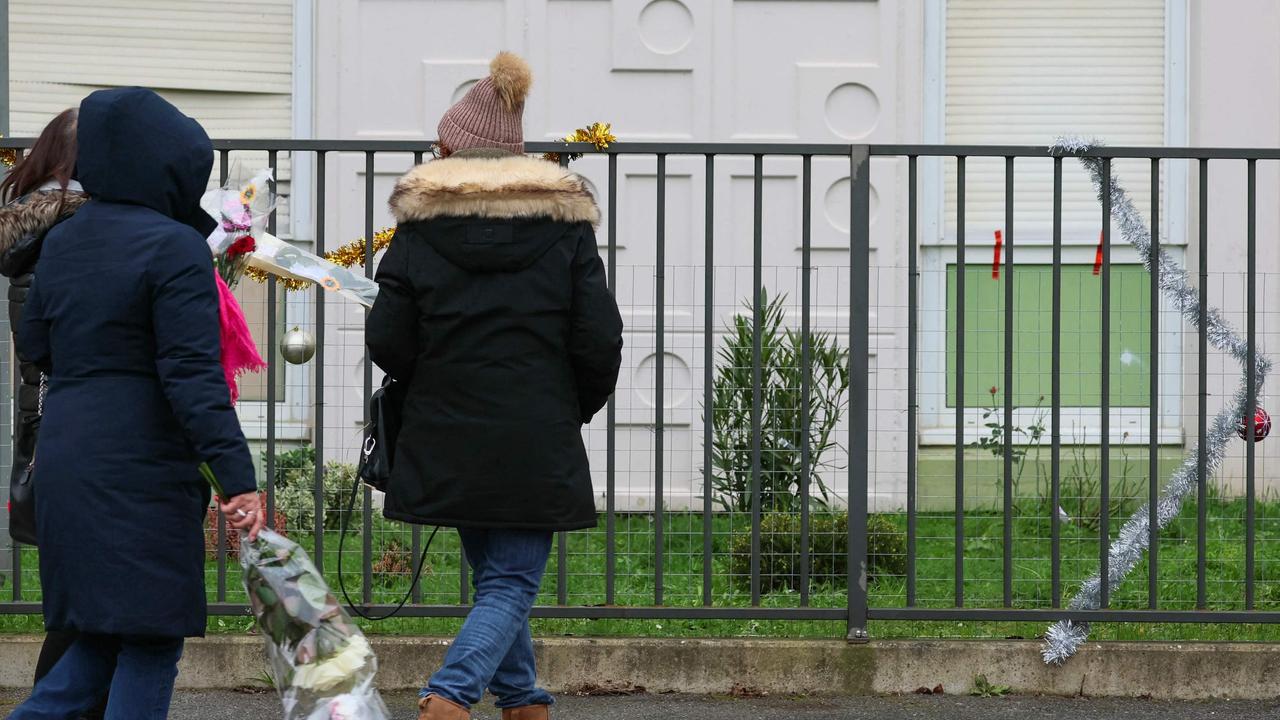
[1033, 336]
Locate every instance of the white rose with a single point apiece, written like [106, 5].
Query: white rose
[329, 673]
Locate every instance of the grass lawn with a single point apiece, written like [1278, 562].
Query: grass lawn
[683, 566]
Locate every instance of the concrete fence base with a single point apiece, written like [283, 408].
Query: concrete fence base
[782, 667]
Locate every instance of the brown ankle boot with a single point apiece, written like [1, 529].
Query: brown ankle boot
[434, 707]
[528, 712]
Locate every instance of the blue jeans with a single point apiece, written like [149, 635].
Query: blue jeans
[494, 649]
[138, 672]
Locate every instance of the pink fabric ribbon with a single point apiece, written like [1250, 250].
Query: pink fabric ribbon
[239, 353]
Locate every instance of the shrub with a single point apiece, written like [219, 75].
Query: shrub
[780, 551]
[296, 466]
[295, 489]
[781, 411]
[296, 498]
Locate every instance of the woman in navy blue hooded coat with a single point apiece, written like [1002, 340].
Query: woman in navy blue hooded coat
[123, 319]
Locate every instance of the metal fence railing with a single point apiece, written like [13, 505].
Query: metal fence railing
[817, 457]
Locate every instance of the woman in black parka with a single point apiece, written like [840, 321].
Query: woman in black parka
[493, 306]
[122, 317]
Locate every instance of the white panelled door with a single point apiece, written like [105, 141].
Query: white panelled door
[659, 70]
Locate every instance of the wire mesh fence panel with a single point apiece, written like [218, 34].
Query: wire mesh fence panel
[1026, 393]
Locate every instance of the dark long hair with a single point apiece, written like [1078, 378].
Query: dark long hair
[52, 157]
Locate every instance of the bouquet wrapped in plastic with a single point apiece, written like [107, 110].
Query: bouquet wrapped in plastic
[277, 257]
[242, 214]
[320, 662]
[242, 244]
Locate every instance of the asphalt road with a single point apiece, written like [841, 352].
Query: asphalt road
[238, 706]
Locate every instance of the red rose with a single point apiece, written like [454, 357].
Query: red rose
[242, 246]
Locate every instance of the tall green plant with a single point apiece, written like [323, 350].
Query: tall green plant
[781, 411]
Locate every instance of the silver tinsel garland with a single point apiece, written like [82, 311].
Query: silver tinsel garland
[1065, 637]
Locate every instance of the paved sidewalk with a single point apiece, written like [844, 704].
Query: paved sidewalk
[223, 705]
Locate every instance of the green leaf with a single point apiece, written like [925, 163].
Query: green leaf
[984, 688]
[209, 477]
[782, 377]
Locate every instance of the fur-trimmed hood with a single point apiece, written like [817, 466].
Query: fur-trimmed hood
[35, 213]
[515, 187]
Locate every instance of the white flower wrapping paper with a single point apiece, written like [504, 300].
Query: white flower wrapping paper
[239, 210]
[320, 662]
[282, 259]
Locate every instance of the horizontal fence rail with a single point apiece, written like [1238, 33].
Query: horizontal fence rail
[748, 487]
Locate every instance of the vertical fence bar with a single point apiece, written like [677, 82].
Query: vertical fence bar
[224, 166]
[960, 350]
[806, 198]
[562, 538]
[10, 375]
[611, 446]
[1055, 401]
[1008, 382]
[1252, 386]
[16, 550]
[659, 550]
[708, 372]
[464, 578]
[318, 430]
[859, 350]
[224, 163]
[464, 575]
[13, 378]
[11, 371]
[367, 563]
[15, 382]
[757, 284]
[1153, 419]
[913, 307]
[416, 533]
[1202, 458]
[1104, 505]
[464, 585]
[272, 364]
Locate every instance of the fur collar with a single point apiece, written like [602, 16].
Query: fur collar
[35, 214]
[503, 188]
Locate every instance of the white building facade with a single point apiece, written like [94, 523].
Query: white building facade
[1139, 72]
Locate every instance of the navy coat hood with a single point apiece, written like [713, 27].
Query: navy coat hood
[138, 149]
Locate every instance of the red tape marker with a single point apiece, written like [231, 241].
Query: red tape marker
[1097, 257]
[995, 264]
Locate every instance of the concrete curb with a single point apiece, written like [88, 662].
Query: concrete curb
[810, 667]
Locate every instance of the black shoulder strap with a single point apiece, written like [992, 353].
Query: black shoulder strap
[342, 585]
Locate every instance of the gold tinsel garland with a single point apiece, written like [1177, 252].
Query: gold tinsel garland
[353, 253]
[8, 156]
[599, 134]
[262, 276]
